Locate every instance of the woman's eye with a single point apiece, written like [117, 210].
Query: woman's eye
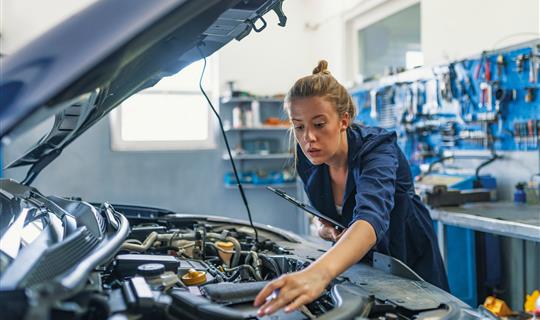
[319, 125]
[299, 127]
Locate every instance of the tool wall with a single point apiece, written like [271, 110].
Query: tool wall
[491, 101]
[487, 102]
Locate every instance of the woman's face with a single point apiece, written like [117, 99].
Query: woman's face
[317, 128]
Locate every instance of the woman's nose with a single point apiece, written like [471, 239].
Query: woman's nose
[308, 135]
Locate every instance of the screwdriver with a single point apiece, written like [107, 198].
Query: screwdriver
[526, 135]
[530, 130]
[488, 70]
[500, 66]
[523, 135]
[536, 128]
[517, 138]
[532, 67]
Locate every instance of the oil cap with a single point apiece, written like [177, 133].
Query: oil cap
[225, 245]
[150, 269]
[194, 277]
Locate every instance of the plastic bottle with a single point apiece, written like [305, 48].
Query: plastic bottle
[248, 116]
[237, 117]
[534, 190]
[519, 194]
[255, 109]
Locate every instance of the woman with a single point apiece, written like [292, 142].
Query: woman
[356, 175]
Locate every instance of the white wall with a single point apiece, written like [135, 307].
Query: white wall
[450, 29]
[277, 57]
[459, 28]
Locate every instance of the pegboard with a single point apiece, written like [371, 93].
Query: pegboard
[487, 102]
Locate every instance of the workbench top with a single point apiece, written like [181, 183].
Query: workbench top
[503, 218]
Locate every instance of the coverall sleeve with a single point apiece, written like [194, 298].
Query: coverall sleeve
[375, 187]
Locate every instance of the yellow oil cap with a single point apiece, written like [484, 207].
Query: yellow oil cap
[194, 277]
[225, 245]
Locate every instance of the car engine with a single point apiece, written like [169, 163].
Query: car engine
[198, 271]
[64, 258]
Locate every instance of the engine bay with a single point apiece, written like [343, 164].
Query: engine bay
[205, 270]
[188, 268]
[70, 259]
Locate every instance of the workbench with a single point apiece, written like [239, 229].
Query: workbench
[502, 218]
[456, 227]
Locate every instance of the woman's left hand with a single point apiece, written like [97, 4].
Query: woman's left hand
[293, 291]
[328, 231]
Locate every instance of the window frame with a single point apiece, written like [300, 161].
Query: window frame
[363, 16]
[121, 145]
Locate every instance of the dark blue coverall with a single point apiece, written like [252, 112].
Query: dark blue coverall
[379, 190]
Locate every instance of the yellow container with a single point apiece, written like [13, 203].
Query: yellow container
[194, 278]
[225, 249]
[497, 307]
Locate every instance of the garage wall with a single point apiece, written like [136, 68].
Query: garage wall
[184, 181]
[482, 25]
[485, 25]
[270, 62]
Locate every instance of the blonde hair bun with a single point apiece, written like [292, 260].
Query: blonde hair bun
[322, 84]
[322, 68]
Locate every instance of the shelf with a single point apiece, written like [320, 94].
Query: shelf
[261, 128]
[261, 186]
[259, 156]
[249, 99]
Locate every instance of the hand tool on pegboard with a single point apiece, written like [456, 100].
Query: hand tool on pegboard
[513, 77]
[533, 65]
[501, 66]
[520, 61]
[485, 86]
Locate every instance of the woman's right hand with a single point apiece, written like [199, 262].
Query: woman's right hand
[328, 232]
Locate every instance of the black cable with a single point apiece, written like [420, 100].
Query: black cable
[228, 148]
[432, 165]
[494, 157]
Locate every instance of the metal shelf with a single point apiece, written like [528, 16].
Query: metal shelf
[261, 186]
[268, 107]
[259, 156]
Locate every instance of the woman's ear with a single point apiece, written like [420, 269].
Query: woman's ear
[345, 121]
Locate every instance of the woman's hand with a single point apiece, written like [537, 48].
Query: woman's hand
[293, 290]
[296, 289]
[328, 232]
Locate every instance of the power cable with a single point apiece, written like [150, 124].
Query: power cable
[242, 193]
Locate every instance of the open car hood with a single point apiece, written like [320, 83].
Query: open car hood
[86, 66]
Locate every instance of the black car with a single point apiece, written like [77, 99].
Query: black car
[65, 258]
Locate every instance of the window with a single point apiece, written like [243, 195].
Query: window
[172, 115]
[386, 39]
